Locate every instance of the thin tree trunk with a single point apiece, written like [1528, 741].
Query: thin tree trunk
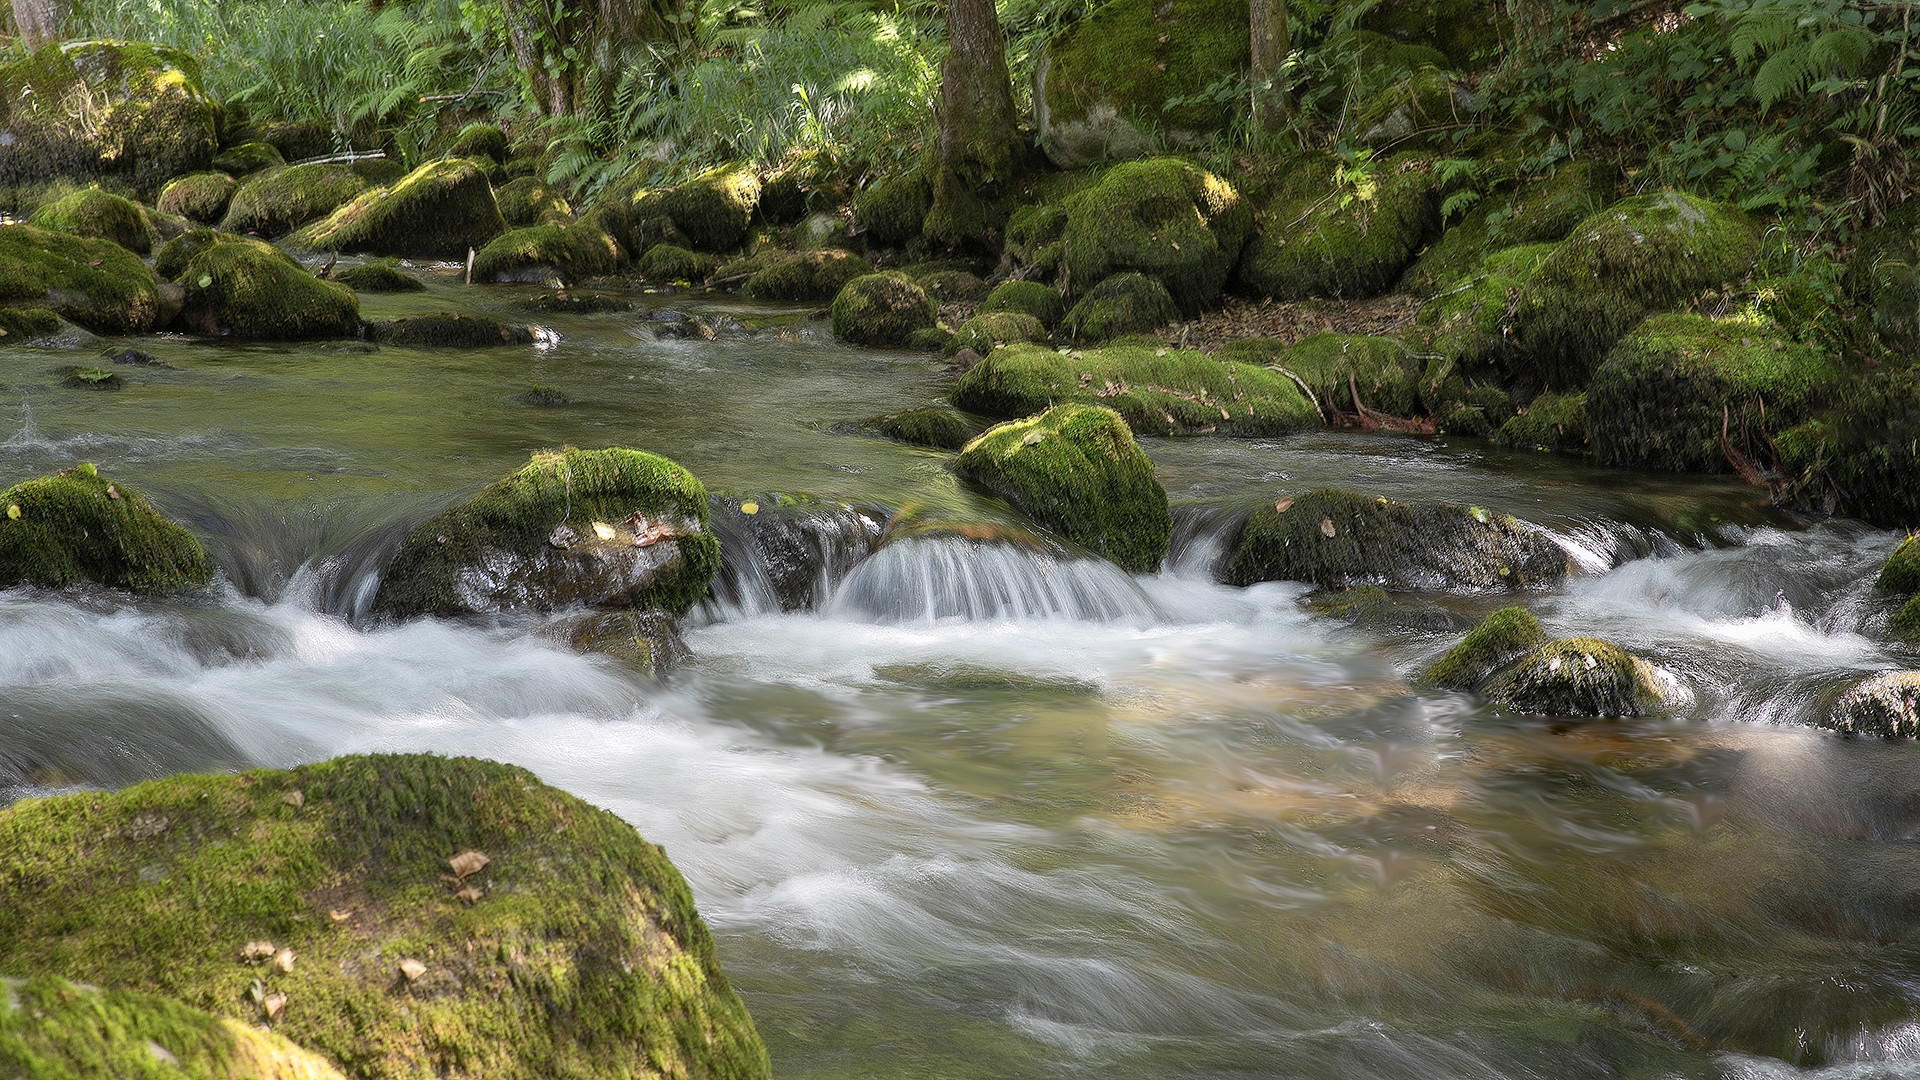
[975, 154]
[1271, 108]
[38, 21]
[597, 31]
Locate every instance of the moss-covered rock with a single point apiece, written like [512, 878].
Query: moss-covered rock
[92, 378]
[276, 202]
[98, 214]
[1465, 31]
[1555, 423]
[542, 253]
[1157, 390]
[1076, 470]
[1337, 539]
[949, 285]
[1470, 324]
[1332, 233]
[77, 526]
[1026, 298]
[438, 211]
[527, 201]
[172, 258]
[247, 158]
[1382, 369]
[96, 284]
[1666, 392]
[51, 1029]
[480, 140]
[1641, 255]
[561, 943]
[713, 209]
[84, 110]
[1427, 109]
[942, 429]
[378, 277]
[891, 210]
[1537, 211]
[1134, 70]
[449, 331]
[505, 549]
[1122, 304]
[1033, 244]
[1905, 622]
[984, 333]
[1165, 218]
[248, 288]
[1859, 456]
[298, 140]
[199, 197]
[1583, 677]
[811, 275]
[881, 309]
[668, 263]
[1499, 638]
[20, 324]
[1887, 705]
[1901, 572]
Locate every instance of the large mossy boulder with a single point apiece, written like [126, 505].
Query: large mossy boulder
[246, 288]
[1384, 372]
[1900, 575]
[1860, 455]
[275, 202]
[439, 916]
[543, 253]
[882, 309]
[1076, 470]
[1110, 82]
[98, 214]
[380, 276]
[1536, 211]
[713, 209]
[985, 333]
[1328, 232]
[200, 197]
[1157, 390]
[448, 330]
[1638, 257]
[669, 263]
[440, 210]
[1500, 637]
[1336, 539]
[1026, 298]
[96, 284]
[1471, 324]
[1583, 677]
[1669, 393]
[482, 141]
[247, 158]
[1121, 305]
[85, 110]
[79, 526]
[1552, 423]
[810, 275]
[1886, 705]
[891, 211]
[941, 429]
[1165, 218]
[528, 201]
[597, 528]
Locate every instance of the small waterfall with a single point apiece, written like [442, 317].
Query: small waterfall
[1200, 537]
[787, 555]
[927, 579]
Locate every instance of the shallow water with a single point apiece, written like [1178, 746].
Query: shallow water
[1006, 813]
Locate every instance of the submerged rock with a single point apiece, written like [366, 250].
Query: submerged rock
[600, 528]
[542, 253]
[147, 118]
[378, 277]
[1167, 219]
[366, 880]
[1076, 470]
[1579, 677]
[881, 309]
[941, 429]
[250, 289]
[78, 526]
[1122, 304]
[96, 284]
[812, 275]
[647, 642]
[1499, 638]
[98, 214]
[200, 197]
[1887, 704]
[449, 330]
[438, 211]
[276, 202]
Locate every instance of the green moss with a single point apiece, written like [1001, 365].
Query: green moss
[51, 1029]
[1466, 31]
[1663, 394]
[575, 303]
[1901, 572]
[1322, 236]
[96, 284]
[1500, 637]
[480, 140]
[98, 214]
[1033, 239]
[1026, 298]
[278, 201]
[378, 277]
[582, 954]
[1540, 211]
[201, 197]
[1158, 391]
[951, 285]
[378, 172]
[929, 339]
[1471, 323]
[1337, 539]
[812, 275]
[93, 378]
[1859, 456]
[1386, 374]
[666, 263]
[146, 118]
[984, 333]
[1165, 218]
[77, 526]
[1578, 677]
[540, 253]
[1639, 256]
[250, 289]
[438, 211]
[508, 524]
[243, 159]
[26, 323]
[527, 201]
[172, 258]
[1906, 620]
[1122, 304]
[1427, 109]
[892, 210]
[1076, 470]
[942, 429]
[1555, 423]
[448, 331]
[881, 309]
[713, 209]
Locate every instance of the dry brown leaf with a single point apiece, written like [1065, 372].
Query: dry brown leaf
[470, 894]
[255, 951]
[283, 961]
[295, 798]
[468, 862]
[412, 969]
[112, 492]
[339, 916]
[1283, 506]
[275, 1004]
[1326, 528]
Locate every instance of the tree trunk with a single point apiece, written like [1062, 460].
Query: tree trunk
[1270, 105]
[38, 21]
[975, 156]
[597, 32]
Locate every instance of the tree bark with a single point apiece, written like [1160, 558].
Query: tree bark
[38, 21]
[975, 156]
[1269, 24]
[597, 32]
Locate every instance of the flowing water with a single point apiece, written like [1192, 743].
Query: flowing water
[990, 810]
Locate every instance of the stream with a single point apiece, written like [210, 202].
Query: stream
[983, 812]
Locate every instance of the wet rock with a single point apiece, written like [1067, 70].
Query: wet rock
[1313, 243]
[1374, 609]
[1551, 423]
[813, 275]
[1499, 638]
[138, 358]
[79, 526]
[892, 210]
[577, 303]
[1122, 304]
[94, 213]
[1026, 298]
[378, 277]
[199, 197]
[1076, 470]
[1336, 539]
[543, 253]
[597, 528]
[785, 552]
[620, 945]
[667, 263]
[1900, 575]
[984, 333]
[645, 641]
[1334, 366]
[941, 429]
[449, 330]
[147, 117]
[545, 397]
[247, 158]
[1164, 218]
[96, 284]
[276, 202]
[440, 210]
[247, 288]
[1887, 704]
[712, 210]
[881, 309]
[1583, 677]
[528, 201]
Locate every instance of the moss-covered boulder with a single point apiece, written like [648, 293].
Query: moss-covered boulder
[248, 288]
[1552, 423]
[948, 285]
[1667, 391]
[449, 331]
[1886, 705]
[1583, 677]
[84, 110]
[1026, 298]
[713, 209]
[1165, 218]
[941, 429]
[21, 324]
[1157, 390]
[1537, 211]
[1901, 572]
[297, 140]
[437, 916]
[1336, 539]
[98, 214]
[438, 211]
[1122, 304]
[811, 275]
[480, 140]
[1471, 324]
[96, 284]
[1328, 232]
[1499, 638]
[1133, 69]
[1859, 456]
[881, 309]
[1427, 109]
[669, 263]
[380, 276]
[1466, 32]
[890, 211]
[51, 1029]
[1383, 370]
[247, 158]
[1033, 245]
[276, 202]
[600, 528]
[984, 333]
[1076, 470]
[542, 253]
[1640, 256]
[200, 197]
[174, 255]
[529, 201]
[78, 526]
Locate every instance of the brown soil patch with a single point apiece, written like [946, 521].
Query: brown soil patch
[1291, 321]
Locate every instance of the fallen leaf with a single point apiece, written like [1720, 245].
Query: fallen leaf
[1553, 664]
[283, 961]
[94, 262]
[603, 530]
[295, 798]
[1032, 437]
[1326, 528]
[468, 862]
[255, 951]
[470, 894]
[1283, 506]
[275, 1003]
[1591, 662]
[13, 511]
[113, 492]
[749, 508]
[412, 969]
[339, 916]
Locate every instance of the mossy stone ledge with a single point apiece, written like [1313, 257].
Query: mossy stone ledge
[984, 333]
[1541, 210]
[200, 197]
[543, 253]
[1580, 677]
[882, 309]
[277, 201]
[148, 118]
[438, 211]
[811, 275]
[1499, 638]
[1383, 370]
[79, 526]
[100, 215]
[1076, 470]
[246, 288]
[609, 528]
[564, 944]
[96, 284]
